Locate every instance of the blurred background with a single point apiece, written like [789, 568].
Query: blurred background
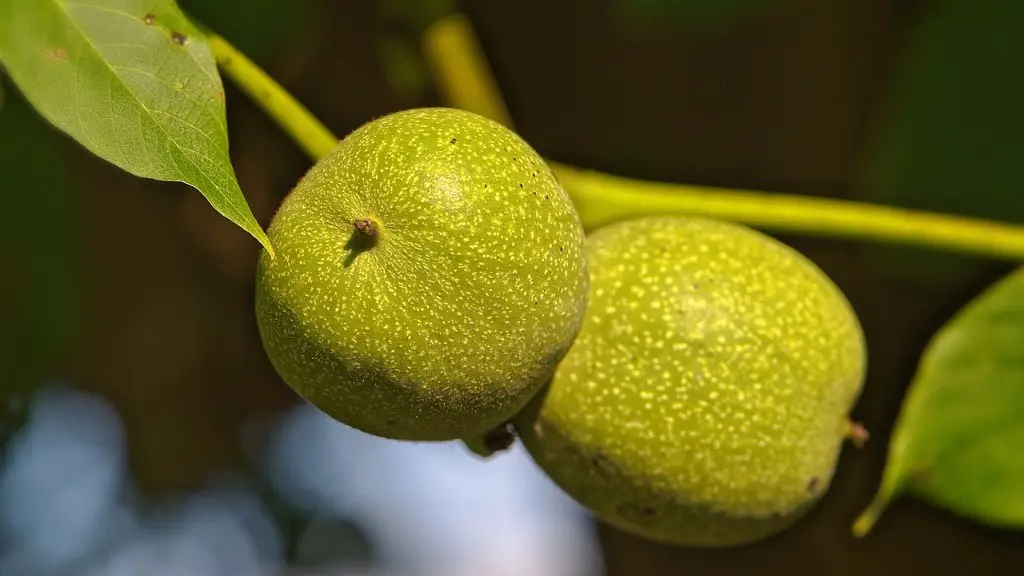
[144, 431]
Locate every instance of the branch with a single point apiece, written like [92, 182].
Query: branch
[602, 199]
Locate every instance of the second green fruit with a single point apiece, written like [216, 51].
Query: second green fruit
[705, 400]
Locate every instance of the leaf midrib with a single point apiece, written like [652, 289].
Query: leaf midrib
[61, 9]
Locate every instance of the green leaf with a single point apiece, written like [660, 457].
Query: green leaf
[949, 139]
[39, 262]
[134, 83]
[958, 440]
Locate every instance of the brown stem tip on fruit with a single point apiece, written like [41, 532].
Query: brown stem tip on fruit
[366, 227]
[857, 433]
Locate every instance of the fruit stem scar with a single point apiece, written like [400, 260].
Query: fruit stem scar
[367, 227]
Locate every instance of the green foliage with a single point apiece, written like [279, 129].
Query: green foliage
[39, 260]
[958, 440]
[950, 142]
[133, 82]
[950, 137]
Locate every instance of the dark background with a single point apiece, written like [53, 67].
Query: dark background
[793, 98]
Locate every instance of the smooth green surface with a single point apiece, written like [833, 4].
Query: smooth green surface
[142, 93]
[473, 291]
[39, 275]
[959, 439]
[949, 136]
[705, 400]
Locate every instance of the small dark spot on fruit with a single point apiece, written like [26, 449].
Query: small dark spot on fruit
[520, 184]
[812, 484]
[602, 463]
[534, 192]
[485, 185]
[561, 248]
[391, 421]
[179, 38]
[149, 19]
[635, 510]
[534, 174]
[453, 140]
[514, 159]
[696, 286]
[535, 302]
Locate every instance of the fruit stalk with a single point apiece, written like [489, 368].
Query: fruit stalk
[367, 227]
[602, 198]
[460, 68]
[301, 125]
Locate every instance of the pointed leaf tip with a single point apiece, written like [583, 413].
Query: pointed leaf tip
[869, 517]
[267, 245]
[957, 440]
[135, 83]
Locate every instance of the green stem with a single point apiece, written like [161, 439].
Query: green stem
[460, 68]
[602, 199]
[304, 128]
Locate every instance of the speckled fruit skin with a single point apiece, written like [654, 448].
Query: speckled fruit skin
[704, 402]
[475, 287]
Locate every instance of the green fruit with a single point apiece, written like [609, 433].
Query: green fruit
[429, 275]
[705, 400]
